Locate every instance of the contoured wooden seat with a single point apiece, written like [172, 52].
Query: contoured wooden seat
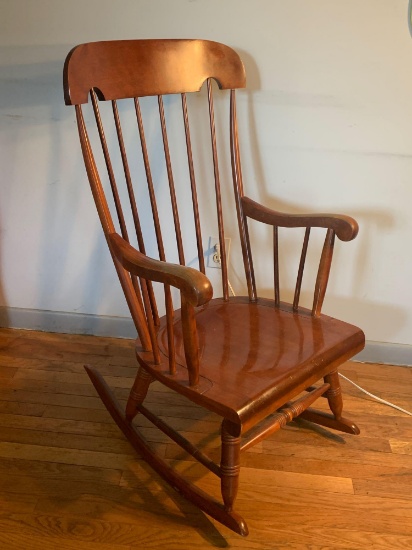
[257, 362]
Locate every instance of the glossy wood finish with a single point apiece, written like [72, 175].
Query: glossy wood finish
[301, 268]
[70, 480]
[194, 285]
[187, 489]
[101, 65]
[257, 363]
[193, 186]
[216, 174]
[344, 227]
[238, 192]
[103, 210]
[247, 380]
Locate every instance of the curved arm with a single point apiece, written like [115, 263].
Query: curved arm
[345, 227]
[196, 287]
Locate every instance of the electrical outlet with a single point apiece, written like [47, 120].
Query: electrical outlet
[213, 252]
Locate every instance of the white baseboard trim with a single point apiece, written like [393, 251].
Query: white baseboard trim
[123, 327]
[68, 323]
[386, 353]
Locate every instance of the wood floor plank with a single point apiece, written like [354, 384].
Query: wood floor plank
[59, 377]
[48, 398]
[308, 434]
[52, 386]
[254, 478]
[38, 374]
[60, 426]
[7, 372]
[339, 466]
[42, 470]
[401, 447]
[10, 502]
[23, 348]
[66, 456]
[99, 415]
[81, 435]
[381, 524]
[57, 365]
[386, 486]
[318, 538]
[98, 531]
[15, 540]
[29, 363]
[19, 408]
[376, 371]
[357, 403]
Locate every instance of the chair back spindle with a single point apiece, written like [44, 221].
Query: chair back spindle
[171, 183]
[276, 264]
[238, 191]
[323, 273]
[218, 192]
[301, 268]
[149, 179]
[193, 185]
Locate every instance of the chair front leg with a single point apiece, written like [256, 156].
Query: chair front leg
[138, 393]
[230, 463]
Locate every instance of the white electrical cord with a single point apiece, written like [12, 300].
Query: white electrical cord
[375, 396]
[231, 288]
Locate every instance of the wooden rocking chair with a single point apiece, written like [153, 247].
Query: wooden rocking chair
[254, 361]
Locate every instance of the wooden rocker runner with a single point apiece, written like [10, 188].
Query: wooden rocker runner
[257, 362]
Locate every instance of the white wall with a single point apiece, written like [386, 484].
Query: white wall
[327, 126]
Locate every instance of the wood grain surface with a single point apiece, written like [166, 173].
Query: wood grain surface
[69, 479]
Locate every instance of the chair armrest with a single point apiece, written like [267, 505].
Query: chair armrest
[345, 227]
[194, 285]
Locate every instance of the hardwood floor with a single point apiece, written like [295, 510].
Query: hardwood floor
[69, 480]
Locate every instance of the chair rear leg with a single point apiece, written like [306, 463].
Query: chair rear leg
[138, 393]
[334, 394]
[230, 463]
[334, 420]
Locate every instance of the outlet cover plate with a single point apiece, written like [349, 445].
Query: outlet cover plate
[211, 251]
